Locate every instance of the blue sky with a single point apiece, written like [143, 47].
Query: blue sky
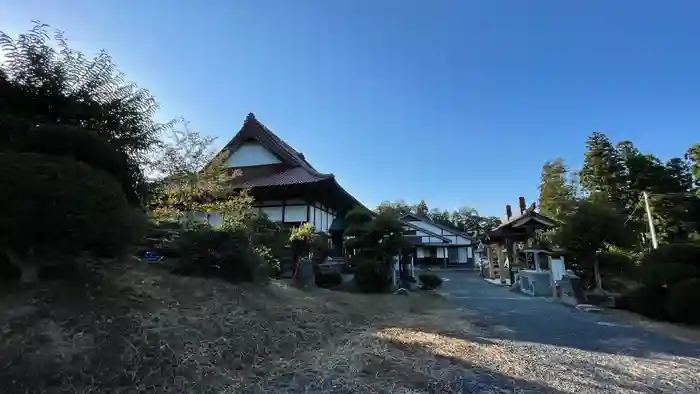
[455, 102]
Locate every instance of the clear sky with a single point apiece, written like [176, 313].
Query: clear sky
[455, 102]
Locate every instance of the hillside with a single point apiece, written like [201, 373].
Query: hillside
[136, 326]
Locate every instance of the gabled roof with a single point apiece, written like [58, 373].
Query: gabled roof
[432, 234]
[293, 169]
[253, 130]
[529, 215]
[422, 218]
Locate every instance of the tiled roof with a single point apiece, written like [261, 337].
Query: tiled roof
[291, 176]
[293, 169]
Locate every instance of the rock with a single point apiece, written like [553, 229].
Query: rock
[402, 291]
[304, 277]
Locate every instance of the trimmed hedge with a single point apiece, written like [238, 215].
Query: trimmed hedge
[228, 255]
[671, 263]
[329, 280]
[55, 207]
[683, 301]
[82, 145]
[372, 277]
[649, 301]
[430, 281]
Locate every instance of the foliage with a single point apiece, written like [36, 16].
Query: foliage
[372, 277]
[421, 208]
[228, 255]
[464, 219]
[648, 301]
[430, 281]
[329, 279]
[557, 192]
[376, 237]
[193, 181]
[396, 208]
[320, 248]
[683, 301]
[615, 262]
[302, 239]
[56, 208]
[43, 80]
[83, 145]
[270, 242]
[671, 263]
[602, 175]
[587, 230]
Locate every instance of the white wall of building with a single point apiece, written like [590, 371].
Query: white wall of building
[251, 154]
[453, 237]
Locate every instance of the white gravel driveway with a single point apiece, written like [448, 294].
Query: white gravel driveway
[549, 347]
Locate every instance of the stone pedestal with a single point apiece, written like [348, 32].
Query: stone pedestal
[304, 277]
[571, 289]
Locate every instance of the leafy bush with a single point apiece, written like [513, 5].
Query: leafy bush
[301, 239]
[647, 300]
[56, 208]
[430, 281]
[671, 263]
[216, 253]
[329, 279]
[615, 263]
[683, 301]
[82, 145]
[372, 277]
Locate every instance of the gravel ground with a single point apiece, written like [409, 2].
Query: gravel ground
[535, 345]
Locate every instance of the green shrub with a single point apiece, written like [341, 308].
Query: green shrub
[372, 277]
[55, 209]
[683, 301]
[616, 263]
[430, 281]
[82, 145]
[329, 279]
[216, 253]
[648, 301]
[671, 263]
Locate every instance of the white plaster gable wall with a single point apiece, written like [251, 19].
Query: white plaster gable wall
[251, 154]
[452, 236]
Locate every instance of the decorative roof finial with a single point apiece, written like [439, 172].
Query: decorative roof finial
[251, 116]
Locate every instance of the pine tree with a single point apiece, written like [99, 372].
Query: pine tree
[603, 173]
[557, 194]
[422, 208]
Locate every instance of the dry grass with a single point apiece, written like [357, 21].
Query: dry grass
[144, 330]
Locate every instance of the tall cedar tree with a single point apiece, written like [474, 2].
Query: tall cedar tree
[603, 172]
[557, 194]
[44, 81]
[670, 187]
[421, 208]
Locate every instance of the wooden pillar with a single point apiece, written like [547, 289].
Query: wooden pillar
[536, 259]
[502, 270]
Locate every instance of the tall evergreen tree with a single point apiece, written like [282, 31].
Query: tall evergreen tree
[603, 173]
[557, 194]
[422, 208]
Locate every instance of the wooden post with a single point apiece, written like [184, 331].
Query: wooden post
[502, 270]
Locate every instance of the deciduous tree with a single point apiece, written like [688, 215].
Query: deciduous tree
[44, 81]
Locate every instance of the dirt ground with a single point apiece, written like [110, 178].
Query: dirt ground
[134, 328]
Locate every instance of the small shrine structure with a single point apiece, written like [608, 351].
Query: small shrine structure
[514, 246]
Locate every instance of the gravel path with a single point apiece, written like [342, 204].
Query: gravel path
[543, 346]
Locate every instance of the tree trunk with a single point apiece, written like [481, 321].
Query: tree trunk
[29, 269]
[596, 274]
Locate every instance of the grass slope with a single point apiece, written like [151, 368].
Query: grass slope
[139, 329]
